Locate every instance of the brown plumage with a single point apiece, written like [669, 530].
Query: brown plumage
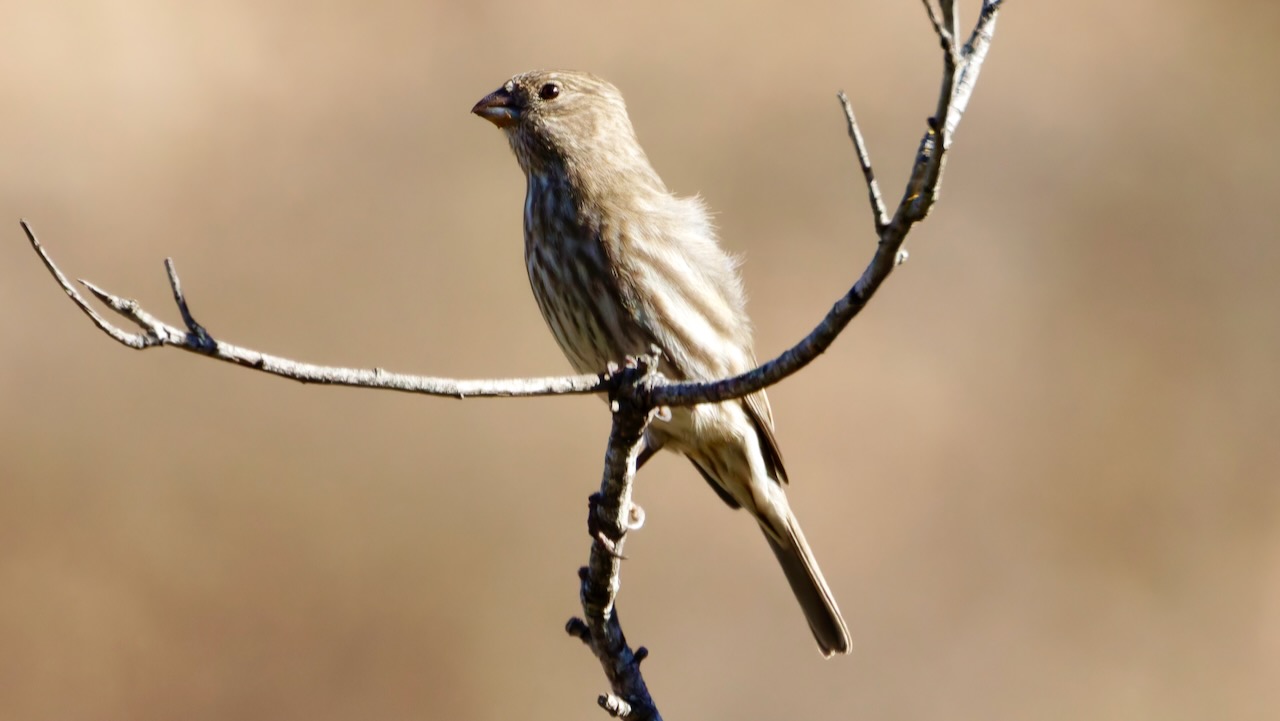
[618, 264]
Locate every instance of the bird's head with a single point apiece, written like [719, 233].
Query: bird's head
[560, 116]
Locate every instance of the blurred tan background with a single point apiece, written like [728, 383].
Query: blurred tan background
[1040, 471]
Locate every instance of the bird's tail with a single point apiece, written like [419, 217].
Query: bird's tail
[810, 588]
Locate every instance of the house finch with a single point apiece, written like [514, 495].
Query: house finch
[619, 264]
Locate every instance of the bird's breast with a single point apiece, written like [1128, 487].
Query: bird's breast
[574, 281]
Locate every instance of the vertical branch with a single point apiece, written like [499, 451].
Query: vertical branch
[612, 514]
[972, 55]
[959, 76]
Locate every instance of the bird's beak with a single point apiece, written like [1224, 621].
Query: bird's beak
[498, 108]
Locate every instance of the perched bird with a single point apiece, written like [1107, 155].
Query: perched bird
[619, 264]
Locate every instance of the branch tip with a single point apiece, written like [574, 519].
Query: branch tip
[879, 214]
[944, 35]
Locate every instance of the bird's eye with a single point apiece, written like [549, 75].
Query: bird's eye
[550, 91]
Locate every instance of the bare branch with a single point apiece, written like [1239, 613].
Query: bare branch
[940, 26]
[878, 211]
[959, 77]
[178, 297]
[973, 54]
[611, 515]
[133, 340]
[197, 340]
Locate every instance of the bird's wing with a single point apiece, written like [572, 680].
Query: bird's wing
[699, 257]
[676, 367]
[757, 405]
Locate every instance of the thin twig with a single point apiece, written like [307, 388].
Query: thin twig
[878, 211]
[201, 335]
[950, 21]
[944, 35]
[133, 340]
[973, 54]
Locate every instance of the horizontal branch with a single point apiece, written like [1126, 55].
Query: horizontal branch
[196, 339]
